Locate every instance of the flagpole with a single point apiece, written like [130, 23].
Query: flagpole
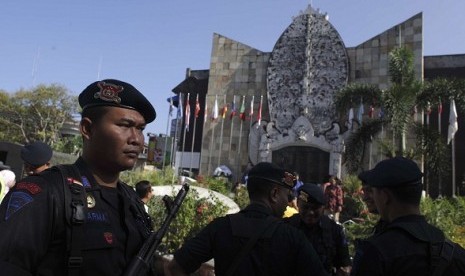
[439, 131]
[175, 143]
[193, 132]
[453, 167]
[223, 114]
[232, 123]
[210, 154]
[453, 127]
[259, 125]
[166, 142]
[251, 111]
[239, 146]
[185, 130]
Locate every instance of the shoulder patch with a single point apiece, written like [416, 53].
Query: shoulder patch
[32, 188]
[18, 200]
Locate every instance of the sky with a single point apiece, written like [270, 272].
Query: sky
[151, 43]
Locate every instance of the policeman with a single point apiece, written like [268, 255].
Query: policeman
[254, 241]
[408, 245]
[81, 219]
[36, 157]
[326, 236]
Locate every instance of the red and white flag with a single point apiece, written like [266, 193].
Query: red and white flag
[242, 110]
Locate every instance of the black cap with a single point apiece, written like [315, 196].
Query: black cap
[393, 172]
[312, 192]
[116, 93]
[273, 173]
[36, 153]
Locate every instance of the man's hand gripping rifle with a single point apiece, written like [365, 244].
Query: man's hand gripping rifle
[142, 261]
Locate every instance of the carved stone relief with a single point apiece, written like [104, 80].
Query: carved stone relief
[307, 67]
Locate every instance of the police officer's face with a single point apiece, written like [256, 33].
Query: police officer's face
[310, 212]
[282, 199]
[117, 139]
[368, 199]
[380, 199]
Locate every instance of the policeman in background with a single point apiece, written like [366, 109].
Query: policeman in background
[36, 157]
[326, 236]
[408, 245]
[81, 219]
[254, 241]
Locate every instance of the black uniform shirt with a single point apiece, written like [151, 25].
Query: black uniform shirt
[33, 226]
[285, 252]
[328, 239]
[396, 252]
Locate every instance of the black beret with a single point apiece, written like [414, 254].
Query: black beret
[272, 173]
[116, 93]
[36, 153]
[312, 192]
[393, 172]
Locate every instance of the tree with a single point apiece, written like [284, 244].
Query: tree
[35, 115]
[405, 96]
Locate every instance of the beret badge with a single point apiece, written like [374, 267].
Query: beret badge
[109, 92]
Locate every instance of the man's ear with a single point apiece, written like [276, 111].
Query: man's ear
[86, 128]
[274, 194]
[387, 196]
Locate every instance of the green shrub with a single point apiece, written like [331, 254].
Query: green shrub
[241, 196]
[155, 177]
[194, 214]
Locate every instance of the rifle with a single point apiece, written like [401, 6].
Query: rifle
[141, 262]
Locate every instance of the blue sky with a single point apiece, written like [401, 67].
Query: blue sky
[150, 43]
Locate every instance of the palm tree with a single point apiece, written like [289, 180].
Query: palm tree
[404, 97]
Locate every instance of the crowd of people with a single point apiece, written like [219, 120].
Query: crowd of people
[80, 219]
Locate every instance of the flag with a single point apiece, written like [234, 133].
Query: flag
[188, 113]
[453, 125]
[242, 110]
[251, 108]
[360, 113]
[197, 107]
[350, 120]
[259, 116]
[171, 107]
[233, 108]
[224, 110]
[215, 109]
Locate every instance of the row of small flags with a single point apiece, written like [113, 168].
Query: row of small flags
[216, 113]
[453, 124]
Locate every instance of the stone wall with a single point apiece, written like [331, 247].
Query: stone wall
[235, 70]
